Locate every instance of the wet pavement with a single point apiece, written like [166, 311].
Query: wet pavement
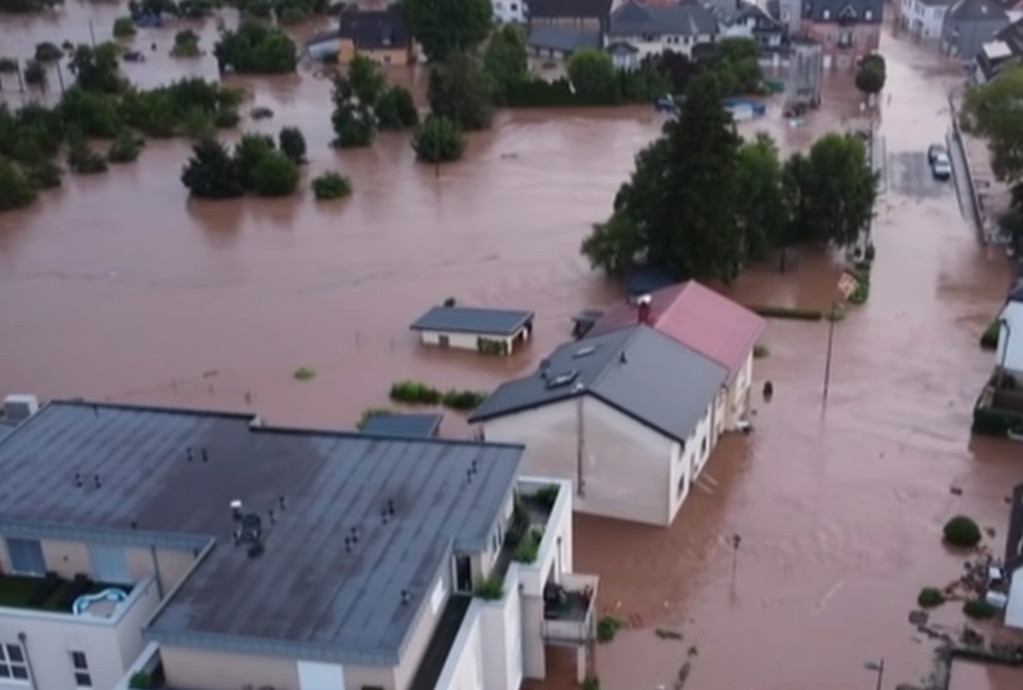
[117, 287]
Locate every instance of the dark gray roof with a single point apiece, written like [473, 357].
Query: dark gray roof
[1014, 537]
[1016, 287]
[976, 11]
[660, 382]
[562, 38]
[844, 10]
[617, 48]
[403, 425]
[375, 29]
[687, 18]
[305, 596]
[472, 320]
[569, 9]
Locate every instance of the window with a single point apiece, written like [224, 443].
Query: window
[868, 15]
[703, 446]
[26, 556]
[514, 7]
[682, 484]
[13, 665]
[109, 564]
[81, 666]
[827, 15]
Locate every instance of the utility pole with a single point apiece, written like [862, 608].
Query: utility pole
[877, 667]
[736, 540]
[832, 317]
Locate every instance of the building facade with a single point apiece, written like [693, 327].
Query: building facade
[923, 18]
[654, 29]
[847, 30]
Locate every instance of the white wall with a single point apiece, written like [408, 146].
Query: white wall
[738, 392]
[465, 341]
[625, 463]
[509, 11]
[501, 627]
[923, 20]
[1014, 609]
[313, 675]
[687, 465]
[1011, 336]
[464, 667]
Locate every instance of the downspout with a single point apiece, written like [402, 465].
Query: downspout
[23, 640]
[156, 571]
[580, 447]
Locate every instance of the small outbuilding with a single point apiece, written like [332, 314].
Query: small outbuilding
[491, 331]
[403, 425]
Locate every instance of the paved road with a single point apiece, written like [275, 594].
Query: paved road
[966, 206]
[909, 174]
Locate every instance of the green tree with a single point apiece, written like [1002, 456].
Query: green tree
[248, 152]
[16, 190]
[737, 66]
[446, 26]
[255, 48]
[438, 140]
[331, 185]
[354, 122]
[994, 111]
[35, 74]
[761, 208]
[48, 52]
[95, 114]
[460, 91]
[613, 246]
[81, 159]
[124, 27]
[211, 173]
[43, 174]
[870, 75]
[365, 80]
[292, 144]
[592, 73]
[186, 44]
[96, 69]
[125, 148]
[833, 191]
[275, 175]
[396, 110]
[505, 59]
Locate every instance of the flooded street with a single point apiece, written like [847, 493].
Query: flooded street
[117, 287]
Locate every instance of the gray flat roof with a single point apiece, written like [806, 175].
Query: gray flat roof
[403, 425]
[168, 476]
[639, 371]
[562, 39]
[472, 320]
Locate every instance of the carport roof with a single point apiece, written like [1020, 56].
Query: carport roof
[472, 320]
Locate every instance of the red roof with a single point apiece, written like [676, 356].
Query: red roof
[696, 316]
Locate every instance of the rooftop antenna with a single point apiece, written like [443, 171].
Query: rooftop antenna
[95, 480]
[271, 517]
[622, 359]
[468, 476]
[390, 507]
[205, 458]
[348, 544]
[280, 503]
[188, 453]
[354, 535]
[405, 597]
[78, 479]
[474, 466]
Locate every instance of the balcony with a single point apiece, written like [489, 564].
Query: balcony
[527, 526]
[568, 609]
[53, 594]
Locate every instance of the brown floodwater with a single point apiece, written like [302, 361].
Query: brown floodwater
[118, 287]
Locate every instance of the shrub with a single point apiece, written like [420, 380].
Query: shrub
[395, 109]
[415, 392]
[35, 74]
[450, 302]
[591, 683]
[978, 609]
[862, 291]
[999, 423]
[125, 148]
[226, 118]
[48, 52]
[16, 189]
[547, 495]
[124, 27]
[292, 144]
[255, 48]
[489, 346]
[760, 351]
[770, 311]
[529, 547]
[463, 400]
[211, 173]
[438, 140]
[962, 531]
[331, 185]
[371, 412]
[44, 174]
[304, 373]
[186, 44]
[491, 589]
[84, 161]
[140, 680]
[930, 597]
[607, 628]
[989, 338]
[275, 175]
[291, 15]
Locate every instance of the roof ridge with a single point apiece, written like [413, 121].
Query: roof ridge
[613, 360]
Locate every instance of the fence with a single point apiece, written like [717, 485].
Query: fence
[957, 137]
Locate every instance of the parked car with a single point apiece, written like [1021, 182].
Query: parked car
[934, 151]
[941, 166]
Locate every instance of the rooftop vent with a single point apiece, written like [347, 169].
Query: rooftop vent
[18, 408]
[562, 380]
[584, 351]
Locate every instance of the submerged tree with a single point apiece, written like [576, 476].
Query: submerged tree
[395, 109]
[438, 140]
[460, 91]
[443, 27]
[292, 144]
[16, 190]
[505, 59]
[211, 173]
[354, 122]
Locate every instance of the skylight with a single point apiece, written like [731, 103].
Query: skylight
[584, 351]
[562, 380]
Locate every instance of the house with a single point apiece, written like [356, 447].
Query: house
[382, 35]
[557, 28]
[1013, 564]
[493, 331]
[744, 19]
[402, 425]
[923, 18]
[653, 29]
[969, 24]
[214, 552]
[806, 72]
[625, 416]
[1004, 50]
[847, 30]
[1009, 353]
[624, 56]
[707, 322]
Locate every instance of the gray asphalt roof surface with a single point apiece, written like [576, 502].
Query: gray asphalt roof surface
[403, 425]
[562, 39]
[173, 472]
[472, 320]
[661, 382]
[977, 10]
[687, 18]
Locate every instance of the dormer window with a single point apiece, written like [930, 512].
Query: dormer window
[827, 15]
[868, 15]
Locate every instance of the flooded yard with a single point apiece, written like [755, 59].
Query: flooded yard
[117, 287]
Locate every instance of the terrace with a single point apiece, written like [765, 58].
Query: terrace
[568, 609]
[55, 594]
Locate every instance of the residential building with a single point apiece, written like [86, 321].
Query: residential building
[1004, 50]
[707, 322]
[492, 331]
[789, 13]
[380, 34]
[1009, 353]
[1013, 564]
[744, 19]
[558, 28]
[969, 24]
[244, 555]
[923, 18]
[626, 57]
[653, 29]
[846, 29]
[806, 72]
[626, 416]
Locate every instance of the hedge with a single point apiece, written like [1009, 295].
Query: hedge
[418, 393]
[773, 312]
[992, 422]
[930, 597]
[989, 338]
[962, 531]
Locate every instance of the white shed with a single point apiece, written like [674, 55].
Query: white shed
[491, 331]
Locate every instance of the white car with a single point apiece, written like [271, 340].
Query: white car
[941, 167]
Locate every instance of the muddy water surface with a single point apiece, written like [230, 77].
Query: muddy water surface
[118, 287]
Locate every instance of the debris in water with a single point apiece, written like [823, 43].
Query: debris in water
[667, 634]
[956, 491]
[683, 675]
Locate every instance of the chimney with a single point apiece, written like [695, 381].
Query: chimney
[644, 309]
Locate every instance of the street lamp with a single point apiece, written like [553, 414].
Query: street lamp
[877, 667]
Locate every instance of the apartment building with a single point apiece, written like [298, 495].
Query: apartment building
[152, 547]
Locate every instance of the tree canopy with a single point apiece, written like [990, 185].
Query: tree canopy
[460, 90]
[256, 48]
[446, 26]
[592, 73]
[211, 173]
[438, 140]
[870, 75]
[505, 59]
[994, 111]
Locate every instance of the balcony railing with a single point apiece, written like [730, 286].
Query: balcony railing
[568, 610]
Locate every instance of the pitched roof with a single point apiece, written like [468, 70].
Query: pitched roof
[375, 29]
[562, 38]
[642, 373]
[685, 18]
[696, 316]
[569, 9]
[168, 476]
[976, 11]
[403, 425]
[472, 320]
[1016, 287]
[1014, 537]
[837, 9]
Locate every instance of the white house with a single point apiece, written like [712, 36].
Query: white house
[924, 18]
[1009, 354]
[653, 29]
[492, 331]
[744, 19]
[1013, 565]
[284, 558]
[627, 416]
